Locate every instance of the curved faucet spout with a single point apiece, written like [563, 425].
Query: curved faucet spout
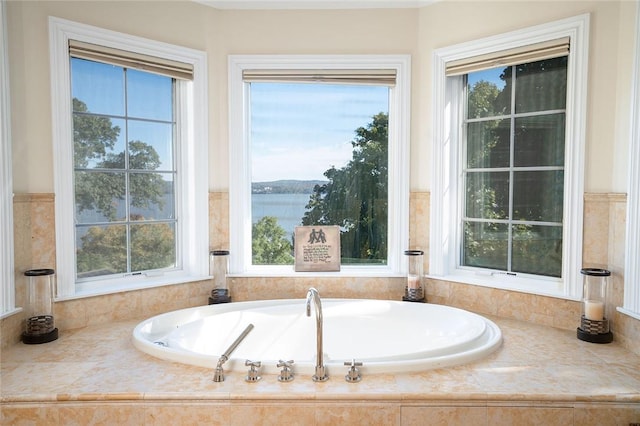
[313, 295]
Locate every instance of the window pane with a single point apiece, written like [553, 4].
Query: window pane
[100, 87]
[118, 181]
[487, 195]
[153, 246]
[319, 157]
[98, 142]
[537, 196]
[287, 208]
[485, 245]
[537, 250]
[99, 196]
[489, 93]
[542, 85]
[149, 95]
[151, 196]
[488, 144]
[150, 145]
[101, 250]
[539, 140]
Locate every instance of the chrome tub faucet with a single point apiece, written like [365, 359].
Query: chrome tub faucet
[321, 373]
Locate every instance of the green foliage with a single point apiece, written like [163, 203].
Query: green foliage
[536, 249]
[100, 185]
[104, 249]
[481, 100]
[269, 243]
[92, 135]
[356, 196]
[101, 188]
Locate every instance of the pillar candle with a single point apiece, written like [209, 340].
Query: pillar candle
[413, 282]
[594, 310]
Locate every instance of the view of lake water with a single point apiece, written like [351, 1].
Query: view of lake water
[288, 208]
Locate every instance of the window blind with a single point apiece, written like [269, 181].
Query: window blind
[153, 64]
[373, 77]
[519, 55]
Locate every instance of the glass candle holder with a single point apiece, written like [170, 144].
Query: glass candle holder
[414, 288]
[219, 268]
[594, 325]
[39, 324]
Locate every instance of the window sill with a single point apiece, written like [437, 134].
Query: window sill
[10, 313]
[634, 315]
[541, 287]
[130, 285]
[345, 272]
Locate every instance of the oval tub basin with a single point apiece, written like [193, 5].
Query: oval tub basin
[386, 336]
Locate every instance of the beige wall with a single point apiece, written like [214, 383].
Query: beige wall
[406, 31]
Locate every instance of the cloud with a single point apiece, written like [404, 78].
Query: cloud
[299, 163]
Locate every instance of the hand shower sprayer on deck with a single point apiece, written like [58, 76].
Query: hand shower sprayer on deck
[218, 376]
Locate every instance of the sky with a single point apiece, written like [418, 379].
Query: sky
[491, 75]
[298, 131]
[103, 89]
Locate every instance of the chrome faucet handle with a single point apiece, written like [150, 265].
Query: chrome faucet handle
[353, 375]
[252, 374]
[286, 375]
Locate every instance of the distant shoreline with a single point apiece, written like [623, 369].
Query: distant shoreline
[286, 186]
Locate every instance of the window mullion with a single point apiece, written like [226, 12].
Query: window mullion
[512, 137]
[126, 173]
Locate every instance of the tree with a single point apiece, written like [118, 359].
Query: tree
[269, 243]
[482, 100]
[100, 185]
[92, 135]
[538, 141]
[104, 249]
[356, 196]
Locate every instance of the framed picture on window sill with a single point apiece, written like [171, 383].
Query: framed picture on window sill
[317, 248]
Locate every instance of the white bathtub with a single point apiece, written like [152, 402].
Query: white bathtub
[386, 336]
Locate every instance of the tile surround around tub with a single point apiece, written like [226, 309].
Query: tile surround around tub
[79, 379]
[603, 245]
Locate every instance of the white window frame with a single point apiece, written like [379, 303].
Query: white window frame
[631, 305]
[192, 160]
[7, 267]
[446, 191]
[240, 156]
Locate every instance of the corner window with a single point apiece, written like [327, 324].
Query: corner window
[127, 198]
[124, 170]
[318, 146]
[512, 168]
[508, 160]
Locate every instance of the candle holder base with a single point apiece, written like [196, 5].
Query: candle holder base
[408, 299]
[413, 295]
[219, 295]
[36, 339]
[594, 338]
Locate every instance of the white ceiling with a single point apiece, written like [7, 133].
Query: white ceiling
[315, 4]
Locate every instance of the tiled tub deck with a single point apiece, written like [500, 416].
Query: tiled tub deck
[540, 376]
